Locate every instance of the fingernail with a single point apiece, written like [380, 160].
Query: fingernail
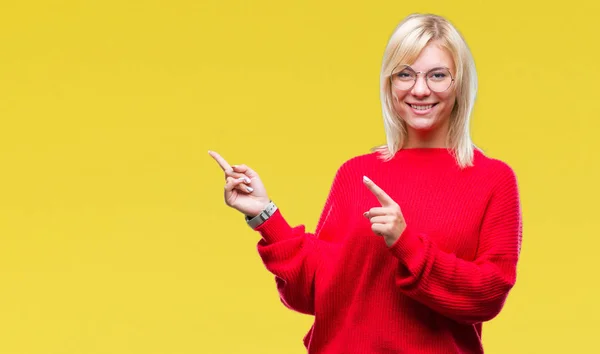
[365, 214]
[249, 189]
[366, 179]
[247, 179]
[241, 179]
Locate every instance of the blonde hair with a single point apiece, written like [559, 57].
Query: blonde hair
[407, 41]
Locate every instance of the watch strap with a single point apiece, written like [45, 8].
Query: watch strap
[262, 216]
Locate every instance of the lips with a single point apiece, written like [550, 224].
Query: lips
[421, 107]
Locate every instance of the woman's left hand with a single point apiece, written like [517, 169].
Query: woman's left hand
[387, 220]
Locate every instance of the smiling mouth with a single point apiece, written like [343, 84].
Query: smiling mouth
[422, 107]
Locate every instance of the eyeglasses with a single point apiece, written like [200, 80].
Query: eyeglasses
[437, 79]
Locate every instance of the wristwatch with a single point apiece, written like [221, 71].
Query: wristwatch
[262, 217]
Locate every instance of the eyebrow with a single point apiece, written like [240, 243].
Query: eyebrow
[433, 68]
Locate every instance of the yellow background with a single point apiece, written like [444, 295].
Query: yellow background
[114, 237]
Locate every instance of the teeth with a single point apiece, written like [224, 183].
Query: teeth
[421, 108]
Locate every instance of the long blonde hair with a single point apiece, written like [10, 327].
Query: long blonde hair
[406, 42]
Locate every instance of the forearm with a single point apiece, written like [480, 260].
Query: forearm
[292, 255]
[468, 292]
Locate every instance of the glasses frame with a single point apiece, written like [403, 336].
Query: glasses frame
[405, 66]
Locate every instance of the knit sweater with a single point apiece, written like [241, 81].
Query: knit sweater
[450, 270]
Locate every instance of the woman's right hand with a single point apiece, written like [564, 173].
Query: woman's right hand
[244, 191]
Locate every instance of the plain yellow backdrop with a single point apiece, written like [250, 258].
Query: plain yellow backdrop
[114, 237]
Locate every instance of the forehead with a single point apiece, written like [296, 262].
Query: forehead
[432, 56]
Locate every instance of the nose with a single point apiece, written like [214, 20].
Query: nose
[420, 89]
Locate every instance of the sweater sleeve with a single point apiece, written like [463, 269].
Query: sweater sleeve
[293, 255]
[466, 291]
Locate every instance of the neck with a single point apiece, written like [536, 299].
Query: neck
[436, 138]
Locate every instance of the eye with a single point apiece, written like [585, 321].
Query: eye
[405, 75]
[439, 75]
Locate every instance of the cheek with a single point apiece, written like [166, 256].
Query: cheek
[450, 98]
[448, 101]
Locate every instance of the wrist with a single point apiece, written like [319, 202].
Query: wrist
[256, 220]
[260, 207]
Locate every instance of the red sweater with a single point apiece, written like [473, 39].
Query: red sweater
[450, 270]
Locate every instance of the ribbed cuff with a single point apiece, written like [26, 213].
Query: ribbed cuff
[409, 249]
[275, 228]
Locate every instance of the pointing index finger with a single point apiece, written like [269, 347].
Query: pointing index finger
[221, 161]
[381, 196]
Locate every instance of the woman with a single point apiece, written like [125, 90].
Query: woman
[416, 258]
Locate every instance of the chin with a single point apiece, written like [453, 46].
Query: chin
[421, 123]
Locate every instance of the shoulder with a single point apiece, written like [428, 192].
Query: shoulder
[361, 163]
[351, 170]
[491, 164]
[495, 170]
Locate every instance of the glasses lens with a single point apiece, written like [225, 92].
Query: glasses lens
[404, 78]
[439, 80]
